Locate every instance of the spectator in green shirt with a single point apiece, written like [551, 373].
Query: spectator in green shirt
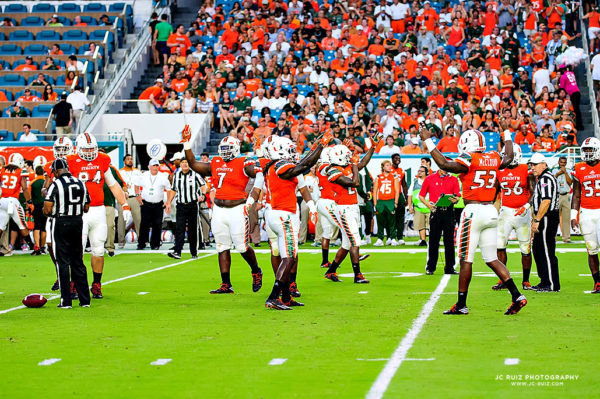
[162, 31]
[16, 111]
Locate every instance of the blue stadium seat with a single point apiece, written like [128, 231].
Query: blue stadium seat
[525, 148]
[10, 49]
[20, 62]
[43, 7]
[20, 35]
[118, 7]
[88, 20]
[85, 47]
[94, 7]
[61, 81]
[36, 49]
[304, 89]
[33, 20]
[98, 35]
[33, 93]
[15, 7]
[49, 79]
[64, 20]
[2, 37]
[8, 94]
[5, 64]
[329, 55]
[69, 7]
[42, 111]
[276, 113]
[68, 48]
[27, 111]
[74, 34]
[48, 35]
[6, 135]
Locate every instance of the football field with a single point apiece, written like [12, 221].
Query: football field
[159, 333]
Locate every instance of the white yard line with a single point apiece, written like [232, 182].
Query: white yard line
[277, 361]
[363, 292]
[120, 279]
[160, 362]
[385, 377]
[143, 293]
[48, 362]
[511, 361]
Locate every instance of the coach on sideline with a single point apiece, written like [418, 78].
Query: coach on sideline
[66, 201]
[545, 224]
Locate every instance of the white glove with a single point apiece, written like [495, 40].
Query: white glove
[127, 217]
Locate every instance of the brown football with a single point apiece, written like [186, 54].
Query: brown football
[34, 301]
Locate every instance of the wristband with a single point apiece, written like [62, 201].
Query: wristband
[187, 145]
[250, 200]
[527, 205]
[507, 135]
[311, 206]
[574, 214]
[125, 207]
[430, 145]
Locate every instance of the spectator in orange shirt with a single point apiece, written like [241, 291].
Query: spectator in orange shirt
[429, 17]
[155, 94]
[179, 39]
[358, 40]
[27, 66]
[412, 147]
[376, 48]
[547, 142]
[329, 43]
[224, 56]
[77, 21]
[524, 136]
[180, 83]
[28, 97]
[448, 143]
[56, 50]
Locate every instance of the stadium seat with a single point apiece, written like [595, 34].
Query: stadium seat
[8, 94]
[85, 47]
[64, 20]
[49, 79]
[43, 7]
[48, 35]
[14, 21]
[69, 7]
[27, 111]
[98, 35]
[36, 49]
[6, 135]
[5, 64]
[33, 93]
[89, 20]
[33, 21]
[2, 36]
[42, 111]
[68, 48]
[61, 81]
[21, 62]
[94, 7]
[329, 55]
[74, 34]
[15, 7]
[10, 49]
[20, 35]
[118, 7]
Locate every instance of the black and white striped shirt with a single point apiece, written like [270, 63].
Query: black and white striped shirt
[546, 188]
[69, 196]
[187, 186]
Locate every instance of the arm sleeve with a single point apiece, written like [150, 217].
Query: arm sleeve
[109, 178]
[301, 181]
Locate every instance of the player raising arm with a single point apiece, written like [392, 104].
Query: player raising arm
[585, 205]
[478, 172]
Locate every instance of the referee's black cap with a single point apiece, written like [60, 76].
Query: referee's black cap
[59, 164]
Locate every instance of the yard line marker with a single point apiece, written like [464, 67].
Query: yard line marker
[120, 279]
[160, 362]
[581, 275]
[414, 359]
[363, 292]
[587, 292]
[143, 293]
[48, 362]
[511, 361]
[385, 377]
[277, 362]
[381, 359]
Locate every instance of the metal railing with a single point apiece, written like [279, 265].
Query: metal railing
[588, 75]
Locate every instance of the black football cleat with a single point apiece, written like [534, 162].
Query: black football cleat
[96, 291]
[223, 289]
[257, 281]
[64, 306]
[292, 303]
[294, 290]
[73, 291]
[363, 257]
[276, 304]
[541, 288]
[499, 286]
[596, 288]
[333, 277]
[516, 305]
[456, 310]
[326, 265]
[55, 286]
[526, 286]
[174, 255]
[360, 279]
[450, 271]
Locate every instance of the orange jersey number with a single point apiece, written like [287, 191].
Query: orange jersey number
[11, 183]
[479, 182]
[589, 178]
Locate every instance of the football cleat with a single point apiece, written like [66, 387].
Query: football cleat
[360, 279]
[96, 291]
[73, 291]
[223, 289]
[516, 305]
[174, 255]
[527, 286]
[499, 286]
[55, 286]
[294, 290]
[293, 303]
[363, 257]
[257, 281]
[541, 288]
[326, 265]
[596, 288]
[276, 304]
[378, 243]
[456, 310]
[333, 277]
[64, 306]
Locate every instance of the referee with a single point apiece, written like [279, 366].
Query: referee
[186, 189]
[545, 224]
[66, 201]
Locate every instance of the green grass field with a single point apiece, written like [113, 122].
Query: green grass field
[336, 346]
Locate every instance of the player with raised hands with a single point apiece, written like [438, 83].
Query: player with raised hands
[13, 182]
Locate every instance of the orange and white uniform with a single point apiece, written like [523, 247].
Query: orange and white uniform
[514, 192]
[479, 221]
[589, 210]
[273, 242]
[93, 174]
[230, 225]
[326, 206]
[386, 187]
[283, 219]
[10, 207]
[348, 214]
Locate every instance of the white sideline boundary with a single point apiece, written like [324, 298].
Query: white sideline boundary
[385, 377]
[120, 279]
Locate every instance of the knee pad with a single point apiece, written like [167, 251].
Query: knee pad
[241, 248]
[98, 250]
[592, 248]
[525, 248]
[274, 247]
[223, 247]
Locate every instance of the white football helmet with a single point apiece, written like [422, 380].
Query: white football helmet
[63, 146]
[17, 160]
[340, 155]
[282, 148]
[264, 147]
[40, 160]
[517, 155]
[590, 149]
[324, 158]
[87, 147]
[229, 148]
[471, 141]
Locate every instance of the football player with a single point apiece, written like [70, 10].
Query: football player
[281, 175]
[93, 167]
[14, 183]
[229, 223]
[326, 206]
[585, 205]
[479, 220]
[343, 173]
[515, 185]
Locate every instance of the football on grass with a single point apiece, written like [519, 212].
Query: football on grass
[34, 301]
